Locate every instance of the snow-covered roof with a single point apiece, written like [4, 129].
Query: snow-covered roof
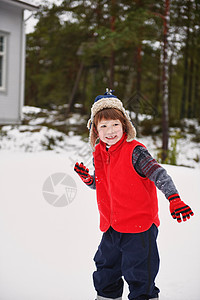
[22, 4]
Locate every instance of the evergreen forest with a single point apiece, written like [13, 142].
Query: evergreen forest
[147, 51]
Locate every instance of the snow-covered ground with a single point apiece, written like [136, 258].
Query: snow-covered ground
[47, 244]
[40, 132]
[46, 251]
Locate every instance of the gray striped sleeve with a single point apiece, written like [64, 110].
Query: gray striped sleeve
[93, 185]
[146, 166]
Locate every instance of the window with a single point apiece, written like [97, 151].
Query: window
[3, 42]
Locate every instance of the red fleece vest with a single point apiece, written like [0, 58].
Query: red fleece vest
[126, 201]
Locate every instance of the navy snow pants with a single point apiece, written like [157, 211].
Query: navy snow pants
[133, 256]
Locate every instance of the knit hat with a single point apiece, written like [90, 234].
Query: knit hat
[108, 100]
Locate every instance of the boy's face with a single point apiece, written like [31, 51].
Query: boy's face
[110, 131]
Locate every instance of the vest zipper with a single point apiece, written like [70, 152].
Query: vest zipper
[111, 206]
[108, 158]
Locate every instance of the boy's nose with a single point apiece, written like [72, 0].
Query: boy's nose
[110, 129]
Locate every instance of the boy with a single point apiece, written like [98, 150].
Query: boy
[126, 177]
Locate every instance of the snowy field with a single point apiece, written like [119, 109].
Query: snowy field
[47, 251]
[40, 131]
[49, 220]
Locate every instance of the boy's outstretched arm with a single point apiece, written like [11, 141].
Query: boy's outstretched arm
[83, 173]
[148, 167]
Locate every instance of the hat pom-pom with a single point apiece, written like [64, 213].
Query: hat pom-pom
[109, 92]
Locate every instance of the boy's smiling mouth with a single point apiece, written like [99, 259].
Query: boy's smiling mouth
[111, 137]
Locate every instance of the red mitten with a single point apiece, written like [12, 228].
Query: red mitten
[83, 172]
[178, 207]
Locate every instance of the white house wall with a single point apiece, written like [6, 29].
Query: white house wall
[11, 23]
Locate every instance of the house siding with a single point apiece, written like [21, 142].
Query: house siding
[11, 99]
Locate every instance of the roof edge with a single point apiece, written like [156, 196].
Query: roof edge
[22, 4]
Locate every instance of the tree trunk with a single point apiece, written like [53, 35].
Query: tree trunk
[72, 97]
[186, 56]
[196, 92]
[112, 72]
[158, 83]
[190, 88]
[139, 60]
[191, 72]
[165, 112]
[138, 84]
[185, 78]
[112, 57]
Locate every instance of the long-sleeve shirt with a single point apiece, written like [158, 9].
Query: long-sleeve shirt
[146, 166]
